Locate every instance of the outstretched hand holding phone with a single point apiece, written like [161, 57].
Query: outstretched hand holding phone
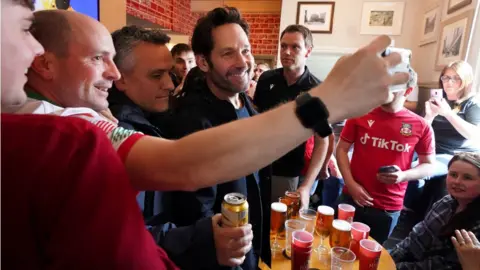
[361, 81]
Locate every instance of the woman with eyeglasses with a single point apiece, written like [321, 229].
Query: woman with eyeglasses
[455, 119]
[448, 236]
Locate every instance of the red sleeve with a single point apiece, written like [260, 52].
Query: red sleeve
[426, 144]
[349, 131]
[127, 145]
[83, 207]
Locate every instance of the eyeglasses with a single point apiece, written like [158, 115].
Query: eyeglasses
[452, 79]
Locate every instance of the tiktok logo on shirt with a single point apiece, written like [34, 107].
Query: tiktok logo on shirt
[385, 144]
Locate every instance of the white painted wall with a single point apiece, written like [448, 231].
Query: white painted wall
[346, 34]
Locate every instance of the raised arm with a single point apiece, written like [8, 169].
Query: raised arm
[205, 158]
[317, 163]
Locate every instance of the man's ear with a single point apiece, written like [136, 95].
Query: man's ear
[309, 51]
[44, 66]
[202, 63]
[121, 84]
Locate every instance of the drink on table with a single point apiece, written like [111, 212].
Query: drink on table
[340, 235]
[369, 254]
[342, 259]
[278, 216]
[234, 210]
[292, 225]
[360, 231]
[302, 243]
[323, 226]
[346, 212]
[308, 216]
[324, 220]
[293, 203]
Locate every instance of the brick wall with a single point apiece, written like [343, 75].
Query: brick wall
[173, 15]
[264, 29]
[176, 15]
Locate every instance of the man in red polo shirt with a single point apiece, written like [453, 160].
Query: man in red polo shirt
[387, 136]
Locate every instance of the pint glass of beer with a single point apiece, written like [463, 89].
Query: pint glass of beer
[323, 225]
[277, 221]
[340, 235]
[293, 203]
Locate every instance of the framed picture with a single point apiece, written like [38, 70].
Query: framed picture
[454, 39]
[430, 26]
[316, 16]
[454, 5]
[382, 18]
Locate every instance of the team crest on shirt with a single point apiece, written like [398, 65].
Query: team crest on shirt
[406, 129]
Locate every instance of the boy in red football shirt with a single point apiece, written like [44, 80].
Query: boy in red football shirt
[387, 136]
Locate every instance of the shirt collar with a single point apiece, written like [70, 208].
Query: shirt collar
[35, 95]
[303, 80]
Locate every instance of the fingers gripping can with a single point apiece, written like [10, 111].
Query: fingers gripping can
[234, 210]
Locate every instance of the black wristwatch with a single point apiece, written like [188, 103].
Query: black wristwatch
[313, 114]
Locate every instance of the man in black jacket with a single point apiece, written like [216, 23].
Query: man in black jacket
[223, 54]
[143, 91]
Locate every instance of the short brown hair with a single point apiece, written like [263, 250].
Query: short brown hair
[297, 28]
[180, 48]
[202, 42]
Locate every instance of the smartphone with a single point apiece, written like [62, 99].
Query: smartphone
[436, 93]
[387, 169]
[404, 66]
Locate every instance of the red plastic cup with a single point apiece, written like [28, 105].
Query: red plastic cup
[360, 231]
[302, 243]
[346, 212]
[369, 254]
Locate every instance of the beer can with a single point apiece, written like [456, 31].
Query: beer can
[234, 210]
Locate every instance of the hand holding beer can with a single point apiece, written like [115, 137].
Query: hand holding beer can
[234, 210]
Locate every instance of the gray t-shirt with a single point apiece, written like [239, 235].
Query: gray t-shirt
[447, 139]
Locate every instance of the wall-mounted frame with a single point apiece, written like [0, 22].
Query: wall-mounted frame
[454, 5]
[316, 16]
[454, 39]
[430, 25]
[382, 18]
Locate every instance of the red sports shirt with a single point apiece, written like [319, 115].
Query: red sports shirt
[380, 139]
[66, 200]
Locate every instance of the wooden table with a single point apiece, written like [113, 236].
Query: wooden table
[280, 262]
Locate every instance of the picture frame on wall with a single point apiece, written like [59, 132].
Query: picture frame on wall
[454, 37]
[382, 18]
[316, 16]
[430, 25]
[454, 5]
